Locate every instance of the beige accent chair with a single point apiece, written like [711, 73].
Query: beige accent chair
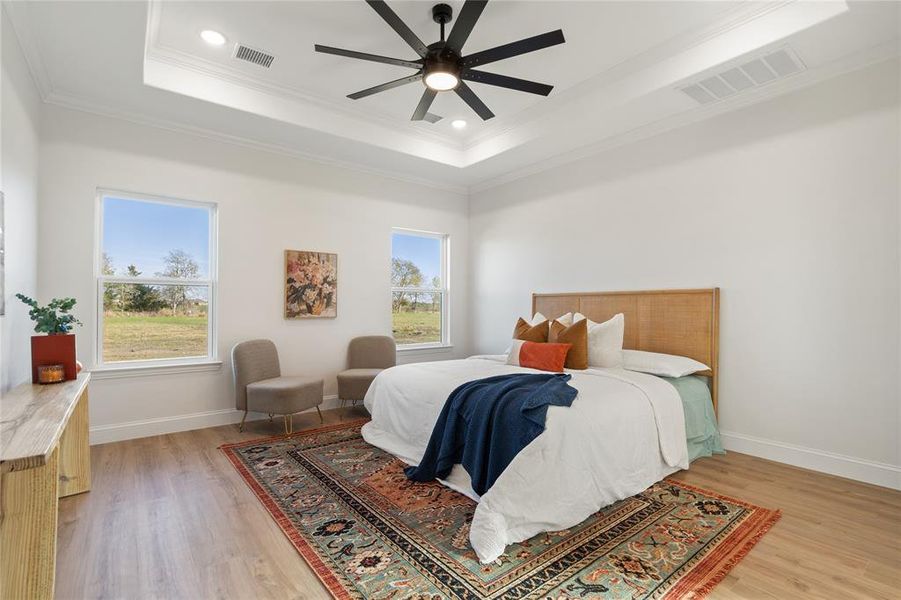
[367, 356]
[260, 386]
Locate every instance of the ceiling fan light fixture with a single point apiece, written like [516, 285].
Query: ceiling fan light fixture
[441, 81]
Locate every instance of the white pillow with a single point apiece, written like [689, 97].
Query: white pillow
[665, 365]
[566, 319]
[605, 341]
[537, 318]
[513, 352]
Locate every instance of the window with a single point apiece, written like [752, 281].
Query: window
[156, 274]
[419, 286]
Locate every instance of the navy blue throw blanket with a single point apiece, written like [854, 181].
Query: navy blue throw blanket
[486, 422]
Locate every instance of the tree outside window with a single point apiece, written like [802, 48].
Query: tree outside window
[155, 280]
[419, 303]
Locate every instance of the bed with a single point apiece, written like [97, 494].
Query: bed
[624, 432]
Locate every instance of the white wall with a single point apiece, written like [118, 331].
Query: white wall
[19, 126]
[790, 207]
[267, 203]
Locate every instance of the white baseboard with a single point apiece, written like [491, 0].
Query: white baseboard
[868, 471]
[117, 432]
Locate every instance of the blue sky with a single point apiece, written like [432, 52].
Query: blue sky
[142, 233]
[425, 252]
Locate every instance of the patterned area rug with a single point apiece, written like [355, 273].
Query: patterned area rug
[368, 532]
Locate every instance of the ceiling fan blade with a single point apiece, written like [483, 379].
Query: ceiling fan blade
[364, 56]
[385, 86]
[399, 26]
[466, 20]
[513, 83]
[432, 117]
[551, 38]
[424, 103]
[473, 101]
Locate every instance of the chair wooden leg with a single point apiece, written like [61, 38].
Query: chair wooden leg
[321, 420]
[287, 428]
[241, 426]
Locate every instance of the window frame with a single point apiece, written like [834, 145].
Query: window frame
[211, 282]
[444, 290]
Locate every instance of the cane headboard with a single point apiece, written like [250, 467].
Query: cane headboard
[683, 322]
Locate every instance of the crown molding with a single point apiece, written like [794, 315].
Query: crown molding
[156, 51]
[663, 68]
[495, 139]
[15, 12]
[729, 21]
[861, 60]
[183, 60]
[871, 56]
[743, 15]
[242, 99]
[81, 104]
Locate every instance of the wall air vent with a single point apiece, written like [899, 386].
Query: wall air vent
[738, 76]
[252, 55]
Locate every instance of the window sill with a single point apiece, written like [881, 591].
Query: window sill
[425, 348]
[118, 372]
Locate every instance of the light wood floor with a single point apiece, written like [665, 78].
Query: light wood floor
[168, 517]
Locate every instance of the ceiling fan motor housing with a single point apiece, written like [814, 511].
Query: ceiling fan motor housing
[441, 59]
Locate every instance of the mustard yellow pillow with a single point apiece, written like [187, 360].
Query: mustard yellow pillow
[577, 336]
[530, 333]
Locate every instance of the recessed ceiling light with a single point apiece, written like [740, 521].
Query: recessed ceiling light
[213, 38]
[458, 123]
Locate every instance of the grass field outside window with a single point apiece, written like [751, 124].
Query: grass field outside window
[150, 336]
[419, 287]
[417, 327]
[155, 280]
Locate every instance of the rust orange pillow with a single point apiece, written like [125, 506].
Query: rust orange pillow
[577, 335]
[536, 355]
[530, 333]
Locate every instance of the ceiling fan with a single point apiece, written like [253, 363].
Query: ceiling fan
[442, 66]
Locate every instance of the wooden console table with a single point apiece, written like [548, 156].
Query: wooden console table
[44, 455]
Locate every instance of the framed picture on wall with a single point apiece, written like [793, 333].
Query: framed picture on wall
[311, 285]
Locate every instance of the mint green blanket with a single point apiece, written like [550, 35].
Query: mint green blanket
[700, 420]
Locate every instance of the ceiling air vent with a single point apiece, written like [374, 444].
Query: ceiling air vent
[252, 55]
[744, 75]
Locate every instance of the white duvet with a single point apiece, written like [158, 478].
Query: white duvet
[624, 432]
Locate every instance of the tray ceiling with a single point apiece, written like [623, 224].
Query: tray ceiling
[617, 77]
[598, 36]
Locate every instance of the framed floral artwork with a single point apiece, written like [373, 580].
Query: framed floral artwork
[311, 285]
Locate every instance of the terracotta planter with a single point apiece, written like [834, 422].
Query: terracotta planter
[58, 349]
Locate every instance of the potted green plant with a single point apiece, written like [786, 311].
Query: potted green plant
[58, 345]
